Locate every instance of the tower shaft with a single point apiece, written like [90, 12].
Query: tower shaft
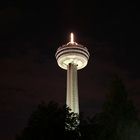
[72, 88]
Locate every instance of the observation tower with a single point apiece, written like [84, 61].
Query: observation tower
[72, 57]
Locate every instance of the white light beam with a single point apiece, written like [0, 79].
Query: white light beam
[72, 38]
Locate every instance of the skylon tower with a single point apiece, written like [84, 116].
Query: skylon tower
[72, 57]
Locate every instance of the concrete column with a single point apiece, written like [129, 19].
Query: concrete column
[72, 88]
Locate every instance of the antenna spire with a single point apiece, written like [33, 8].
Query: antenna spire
[72, 38]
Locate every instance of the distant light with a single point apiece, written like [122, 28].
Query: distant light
[72, 38]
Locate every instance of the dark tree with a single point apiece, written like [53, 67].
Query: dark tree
[118, 120]
[49, 121]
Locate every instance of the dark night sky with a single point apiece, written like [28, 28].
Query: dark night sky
[30, 33]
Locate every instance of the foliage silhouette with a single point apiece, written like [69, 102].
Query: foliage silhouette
[117, 121]
[48, 122]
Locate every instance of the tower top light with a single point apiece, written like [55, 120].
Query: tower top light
[71, 38]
